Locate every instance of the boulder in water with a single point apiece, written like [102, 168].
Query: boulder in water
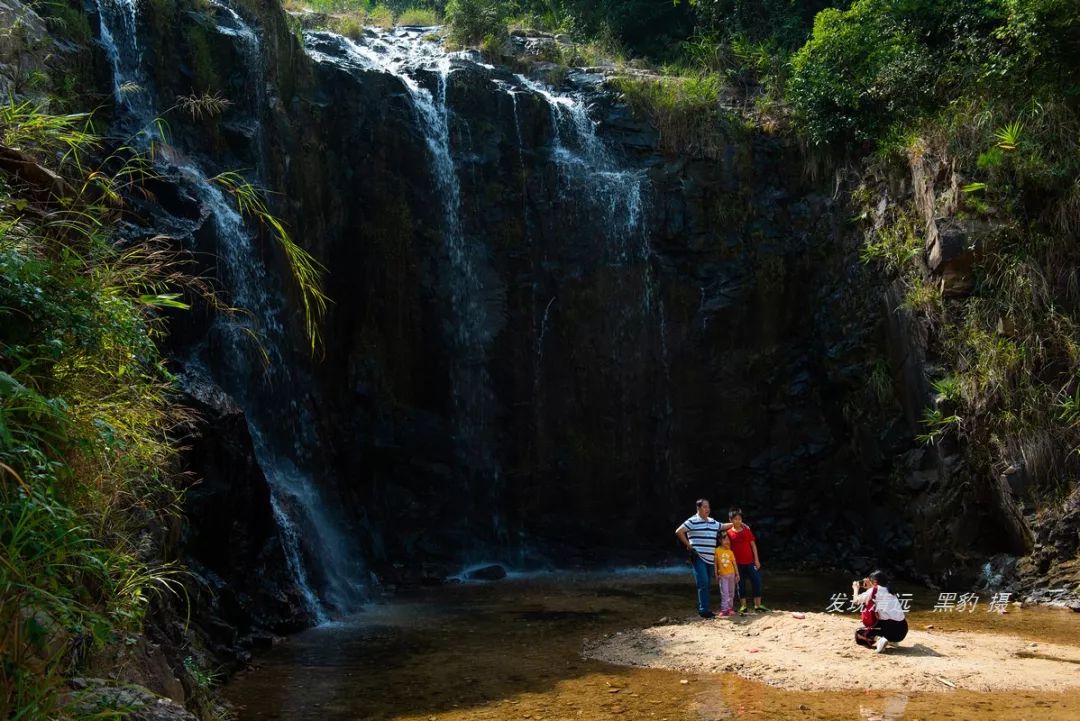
[494, 572]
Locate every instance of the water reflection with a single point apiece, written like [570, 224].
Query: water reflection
[887, 709]
[512, 650]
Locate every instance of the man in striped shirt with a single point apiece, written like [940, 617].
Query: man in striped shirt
[699, 533]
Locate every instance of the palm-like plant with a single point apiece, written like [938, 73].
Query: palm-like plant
[1008, 136]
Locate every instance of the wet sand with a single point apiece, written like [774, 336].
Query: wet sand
[513, 650]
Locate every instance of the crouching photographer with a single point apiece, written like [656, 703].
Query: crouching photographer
[882, 616]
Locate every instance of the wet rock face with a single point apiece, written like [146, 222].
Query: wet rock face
[548, 337]
[623, 331]
[24, 48]
[232, 540]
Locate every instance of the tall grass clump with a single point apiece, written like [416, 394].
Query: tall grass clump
[350, 17]
[685, 110]
[418, 17]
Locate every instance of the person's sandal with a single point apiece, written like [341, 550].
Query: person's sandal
[762, 609]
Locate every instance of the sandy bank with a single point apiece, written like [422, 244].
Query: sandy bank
[817, 653]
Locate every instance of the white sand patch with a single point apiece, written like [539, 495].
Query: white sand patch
[818, 653]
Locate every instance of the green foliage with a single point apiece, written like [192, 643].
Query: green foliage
[475, 22]
[306, 270]
[997, 108]
[937, 425]
[351, 25]
[85, 458]
[1069, 408]
[350, 17]
[861, 71]
[66, 19]
[783, 23]
[894, 246]
[948, 389]
[203, 678]
[881, 63]
[420, 17]
[379, 16]
[1008, 136]
[686, 110]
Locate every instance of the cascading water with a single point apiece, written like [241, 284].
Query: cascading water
[118, 28]
[617, 192]
[305, 519]
[591, 174]
[470, 328]
[303, 515]
[604, 192]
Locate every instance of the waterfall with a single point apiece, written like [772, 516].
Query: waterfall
[118, 28]
[304, 516]
[233, 25]
[305, 519]
[469, 327]
[591, 175]
[617, 192]
[612, 196]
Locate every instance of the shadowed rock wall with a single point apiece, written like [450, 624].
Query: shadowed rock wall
[562, 384]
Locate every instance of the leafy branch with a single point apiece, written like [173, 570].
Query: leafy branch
[306, 270]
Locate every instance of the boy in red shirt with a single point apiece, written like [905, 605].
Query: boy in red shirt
[744, 546]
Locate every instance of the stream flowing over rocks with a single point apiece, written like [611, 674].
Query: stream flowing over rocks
[547, 336]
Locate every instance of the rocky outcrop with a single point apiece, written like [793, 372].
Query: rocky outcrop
[231, 540]
[1053, 567]
[44, 53]
[25, 47]
[711, 353]
[136, 703]
[963, 512]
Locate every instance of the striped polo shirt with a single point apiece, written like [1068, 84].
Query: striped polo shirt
[702, 534]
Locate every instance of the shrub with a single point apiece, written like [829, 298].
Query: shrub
[350, 25]
[379, 16]
[472, 22]
[781, 22]
[861, 72]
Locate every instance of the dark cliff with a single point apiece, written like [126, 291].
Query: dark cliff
[541, 350]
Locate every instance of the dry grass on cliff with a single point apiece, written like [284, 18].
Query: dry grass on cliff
[688, 111]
